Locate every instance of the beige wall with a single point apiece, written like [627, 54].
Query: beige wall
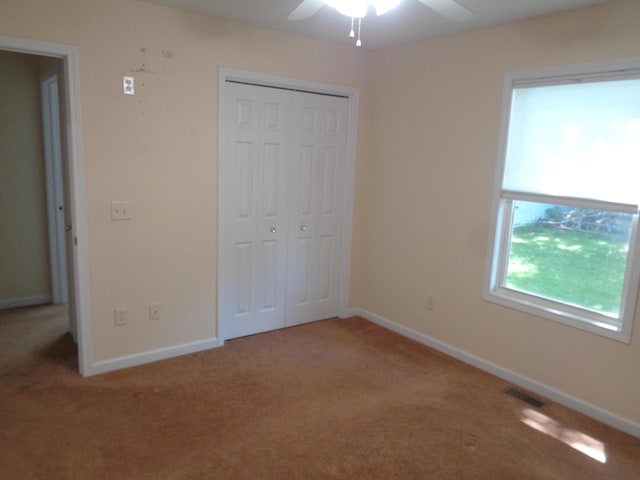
[158, 149]
[426, 157]
[429, 177]
[24, 248]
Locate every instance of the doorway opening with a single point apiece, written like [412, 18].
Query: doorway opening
[33, 270]
[45, 238]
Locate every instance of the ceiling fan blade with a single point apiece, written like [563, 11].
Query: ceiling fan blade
[449, 9]
[306, 9]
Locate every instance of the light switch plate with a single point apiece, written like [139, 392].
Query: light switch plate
[120, 210]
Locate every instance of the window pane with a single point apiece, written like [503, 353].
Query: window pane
[572, 255]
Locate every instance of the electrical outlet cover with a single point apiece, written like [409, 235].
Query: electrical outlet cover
[128, 86]
[120, 210]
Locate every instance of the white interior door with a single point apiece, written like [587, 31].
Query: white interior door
[282, 184]
[317, 171]
[55, 193]
[255, 223]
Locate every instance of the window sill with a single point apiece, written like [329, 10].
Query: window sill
[563, 314]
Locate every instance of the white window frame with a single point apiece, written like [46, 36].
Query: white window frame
[502, 213]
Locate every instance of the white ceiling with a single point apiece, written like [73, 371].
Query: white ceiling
[409, 22]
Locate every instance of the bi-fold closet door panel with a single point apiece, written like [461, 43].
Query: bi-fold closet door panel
[317, 176]
[283, 190]
[254, 183]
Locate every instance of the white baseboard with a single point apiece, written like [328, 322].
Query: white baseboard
[558, 396]
[151, 356]
[6, 303]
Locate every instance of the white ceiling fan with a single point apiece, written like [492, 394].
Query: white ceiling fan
[449, 9]
[357, 9]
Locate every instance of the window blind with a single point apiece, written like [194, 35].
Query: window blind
[579, 139]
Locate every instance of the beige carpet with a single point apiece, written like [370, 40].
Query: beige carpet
[337, 399]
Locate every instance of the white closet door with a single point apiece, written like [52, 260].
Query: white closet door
[282, 181]
[256, 217]
[317, 173]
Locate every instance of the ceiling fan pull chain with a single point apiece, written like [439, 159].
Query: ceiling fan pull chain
[358, 42]
[351, 33]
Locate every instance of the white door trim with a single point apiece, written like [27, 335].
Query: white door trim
[352, 94]
[75, 171]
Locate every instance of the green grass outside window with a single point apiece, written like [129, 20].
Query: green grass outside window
[580, 268]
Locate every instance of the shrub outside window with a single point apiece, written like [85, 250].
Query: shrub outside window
[564, 238]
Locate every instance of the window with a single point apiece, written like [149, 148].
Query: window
[565, 215]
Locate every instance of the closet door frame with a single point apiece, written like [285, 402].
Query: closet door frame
[224, 75]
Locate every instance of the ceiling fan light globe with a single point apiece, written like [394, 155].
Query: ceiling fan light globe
[350, 8]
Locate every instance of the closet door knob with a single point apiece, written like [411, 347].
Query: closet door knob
[303, 228]
[273, 229]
